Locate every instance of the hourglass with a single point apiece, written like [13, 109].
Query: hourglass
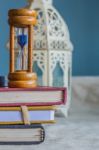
[21, 23]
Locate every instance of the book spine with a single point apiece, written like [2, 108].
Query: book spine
[42, 134]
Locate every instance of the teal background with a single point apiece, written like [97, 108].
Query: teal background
[82, 17]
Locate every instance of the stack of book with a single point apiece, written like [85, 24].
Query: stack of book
[22, 111]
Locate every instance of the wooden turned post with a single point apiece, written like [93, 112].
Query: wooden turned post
[11, 49]
[30, 48]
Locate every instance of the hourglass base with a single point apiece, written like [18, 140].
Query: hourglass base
[22, 79]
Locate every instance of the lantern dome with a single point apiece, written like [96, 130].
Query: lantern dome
[51, 32]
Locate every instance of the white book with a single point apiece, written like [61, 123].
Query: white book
[15, 115]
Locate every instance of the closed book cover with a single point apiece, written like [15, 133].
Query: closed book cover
[27, 115]
[32, 97]
[21, 134]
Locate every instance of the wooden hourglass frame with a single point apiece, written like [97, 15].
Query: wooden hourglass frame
[21, 18]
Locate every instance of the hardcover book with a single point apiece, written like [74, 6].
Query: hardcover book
[27, 115]
[32, 97]
[21, 134]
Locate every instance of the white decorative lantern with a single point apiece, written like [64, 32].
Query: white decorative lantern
[52, 48]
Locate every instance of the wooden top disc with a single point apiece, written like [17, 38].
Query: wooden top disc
[22, 12]
[22, 17]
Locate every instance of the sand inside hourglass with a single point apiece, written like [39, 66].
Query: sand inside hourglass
[22, 40]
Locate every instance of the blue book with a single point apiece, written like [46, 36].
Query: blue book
[21, 134]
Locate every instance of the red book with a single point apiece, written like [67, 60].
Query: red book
[39, 96]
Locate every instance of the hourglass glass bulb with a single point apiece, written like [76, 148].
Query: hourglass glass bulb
[22, 38]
